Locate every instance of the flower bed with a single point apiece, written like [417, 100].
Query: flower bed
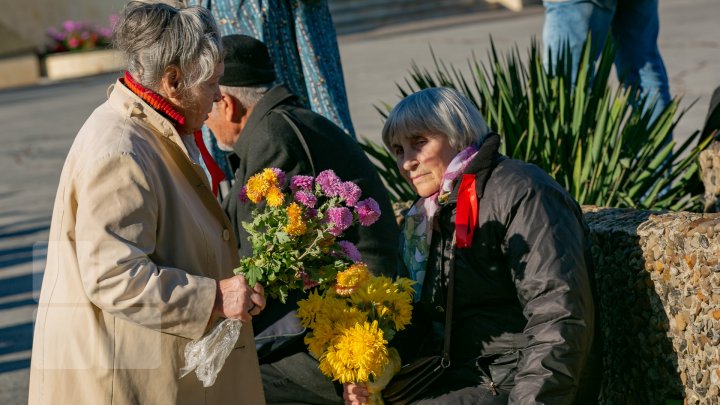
[77, 49]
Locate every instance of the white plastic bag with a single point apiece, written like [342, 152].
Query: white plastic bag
[207, 355]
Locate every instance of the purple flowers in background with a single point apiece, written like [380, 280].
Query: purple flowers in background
[350, 251]
[77, 35]
[340, 218]
[368, 211]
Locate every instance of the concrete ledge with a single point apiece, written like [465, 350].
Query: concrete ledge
[20, 70]
[68, 65]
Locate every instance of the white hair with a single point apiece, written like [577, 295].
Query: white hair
[436, 111]
[247, 96]
[154, 36]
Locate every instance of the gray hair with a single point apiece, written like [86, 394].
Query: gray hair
[248, 96]
[154, 36]
[439, 111]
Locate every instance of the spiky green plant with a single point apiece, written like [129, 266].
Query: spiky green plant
[598, 142]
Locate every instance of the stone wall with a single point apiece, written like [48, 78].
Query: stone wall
[659, 293]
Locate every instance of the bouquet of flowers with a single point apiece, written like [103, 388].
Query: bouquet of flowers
[295, 245]
[352, 323]
[294, 237]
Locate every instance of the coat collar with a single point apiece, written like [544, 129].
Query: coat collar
[131, 105]
[481, 166]
[274, 97]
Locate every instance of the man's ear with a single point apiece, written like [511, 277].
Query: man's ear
[171, 81]
[235, 109]
[226, 106]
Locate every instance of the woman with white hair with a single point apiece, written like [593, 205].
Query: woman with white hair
[508, 244]
[140, 255]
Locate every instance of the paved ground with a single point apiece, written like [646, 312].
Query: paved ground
[39, 123]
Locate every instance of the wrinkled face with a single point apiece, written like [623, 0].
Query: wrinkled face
[200, 102]
[422, 160]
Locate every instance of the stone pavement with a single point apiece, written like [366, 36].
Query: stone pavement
[39, 124]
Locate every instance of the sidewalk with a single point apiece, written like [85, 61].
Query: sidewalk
[39, 124]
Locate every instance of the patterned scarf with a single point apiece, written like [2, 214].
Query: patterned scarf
[418, 226]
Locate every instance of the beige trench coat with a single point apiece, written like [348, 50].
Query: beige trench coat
[136, 243]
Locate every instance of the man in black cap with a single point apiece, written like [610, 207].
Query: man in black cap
[264, 127]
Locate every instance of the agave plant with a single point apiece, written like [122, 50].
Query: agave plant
[602, 144]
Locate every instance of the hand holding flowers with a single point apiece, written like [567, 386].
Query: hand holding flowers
[294, 245]
[352, 323]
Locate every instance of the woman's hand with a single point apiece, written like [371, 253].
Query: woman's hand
[355, 393]
[234, 299]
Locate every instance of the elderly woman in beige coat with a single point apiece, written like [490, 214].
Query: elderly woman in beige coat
[140, 254]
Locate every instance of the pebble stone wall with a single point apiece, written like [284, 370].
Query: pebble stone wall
[658, 279]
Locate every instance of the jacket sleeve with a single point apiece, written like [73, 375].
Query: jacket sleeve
[544, 247]
[115, 234]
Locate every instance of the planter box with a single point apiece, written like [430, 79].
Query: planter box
[67, 65]
[20, 70]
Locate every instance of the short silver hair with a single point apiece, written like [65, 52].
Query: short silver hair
[154, 36]
[248, 96]
[436, 111]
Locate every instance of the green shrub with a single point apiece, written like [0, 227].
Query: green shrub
[597, 142]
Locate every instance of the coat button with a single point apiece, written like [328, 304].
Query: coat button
[226, 234]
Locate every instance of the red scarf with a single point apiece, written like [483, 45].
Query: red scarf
[166, 109]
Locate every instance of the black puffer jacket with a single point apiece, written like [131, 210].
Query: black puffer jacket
[523, 308]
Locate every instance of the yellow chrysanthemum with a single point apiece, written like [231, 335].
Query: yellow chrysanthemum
[309, 308]
[355, 354]
[255, 188]
[260, 184]
[275, 197]
[391, 301]
[321, 336]
[296, 226]
[270, 177]
[374, 292]
[405, 285]
[350, 279]
[402, 313]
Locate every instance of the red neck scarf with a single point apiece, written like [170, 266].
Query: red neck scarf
[162, 106]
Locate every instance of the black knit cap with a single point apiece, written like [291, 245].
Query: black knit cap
[247, 62]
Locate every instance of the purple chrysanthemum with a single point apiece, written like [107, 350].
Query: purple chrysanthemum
[329, 183]
[368, 211]
[350, 192]
[301, 183]
[340, 218]
[350, 251]
[280, 176]
[242, 196]
[306, 198]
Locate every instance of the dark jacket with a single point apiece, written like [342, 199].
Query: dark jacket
[523, 313]
[268, 140]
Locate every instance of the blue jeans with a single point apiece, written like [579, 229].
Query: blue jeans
[634, 26]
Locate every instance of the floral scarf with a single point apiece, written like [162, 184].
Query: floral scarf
[417, 229]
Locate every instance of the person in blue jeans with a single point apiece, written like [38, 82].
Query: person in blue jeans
[633, 25]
